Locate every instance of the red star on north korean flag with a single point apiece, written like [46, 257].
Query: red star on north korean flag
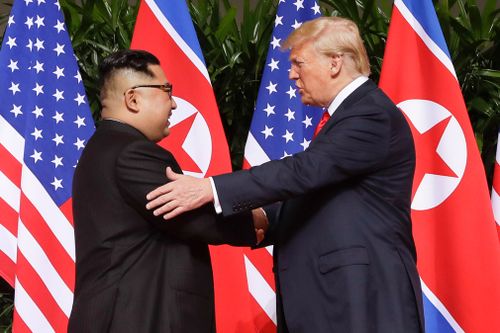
[174, 141]
[428, 159]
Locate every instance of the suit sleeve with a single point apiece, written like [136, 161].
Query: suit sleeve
[141, 168]
[352, 147]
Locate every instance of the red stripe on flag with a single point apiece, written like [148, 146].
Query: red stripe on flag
[57, 255]
[246, 165]
[7, 269]
[18, 326]
[263, 262]
[8, 217]
[67, 209]
[10, 166]
[37, 290]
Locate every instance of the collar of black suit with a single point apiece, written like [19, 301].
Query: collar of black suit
[116, 125]
[357, 94]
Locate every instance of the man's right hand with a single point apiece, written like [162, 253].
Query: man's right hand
[182, 194]
[260, 223]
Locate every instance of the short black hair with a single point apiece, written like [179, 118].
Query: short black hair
[137, 60]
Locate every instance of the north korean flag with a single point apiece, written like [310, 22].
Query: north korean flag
[197, 141]
[457, 243]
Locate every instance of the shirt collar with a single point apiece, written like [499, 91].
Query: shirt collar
[345, 92]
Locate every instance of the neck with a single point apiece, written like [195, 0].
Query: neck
[113, 119]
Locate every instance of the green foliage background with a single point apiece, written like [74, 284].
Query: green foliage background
[235, 40]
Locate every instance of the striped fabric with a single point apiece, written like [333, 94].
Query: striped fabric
[45, 122]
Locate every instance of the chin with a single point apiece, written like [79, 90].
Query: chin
[306, 101]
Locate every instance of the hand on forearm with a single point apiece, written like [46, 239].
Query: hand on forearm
[183, 193]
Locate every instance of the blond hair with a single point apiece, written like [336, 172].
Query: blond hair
[332, 36]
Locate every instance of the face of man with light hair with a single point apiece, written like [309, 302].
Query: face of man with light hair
[326, 54]
[312, 73]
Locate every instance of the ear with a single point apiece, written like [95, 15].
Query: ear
[336, 63]
[131, 100]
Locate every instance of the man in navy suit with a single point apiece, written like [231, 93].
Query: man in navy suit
[344, 255]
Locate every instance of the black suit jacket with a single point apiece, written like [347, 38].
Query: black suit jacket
[345, 258]
[136, 272]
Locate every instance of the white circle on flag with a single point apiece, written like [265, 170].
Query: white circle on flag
[198, 142]
[434, 189]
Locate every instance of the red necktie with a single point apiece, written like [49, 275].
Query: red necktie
[321, 123]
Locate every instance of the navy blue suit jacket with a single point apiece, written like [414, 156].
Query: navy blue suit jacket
[345, 258]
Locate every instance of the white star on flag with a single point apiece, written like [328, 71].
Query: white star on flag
[59, 49]
[305, 143]
[38, 112]
[59, 26]
[58, 94]
[37, 134]
[79, 143]
[273, 65]
[267, 131]
[37, 156]
[288, 136]
[38, 67]
[57, 183]
[11, 42]
[29, 22]
[16, 110]
[290, 115]
[80, 99]
[58, 139]
[58, 117]
[57, 161]
[269, 110]
[58, 72]
[14, 87]
[79, 121]
[271, 87]
[39, 44]
[13, 65]
[39, 21]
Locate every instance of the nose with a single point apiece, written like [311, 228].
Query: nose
[174, 105]
[293, 75]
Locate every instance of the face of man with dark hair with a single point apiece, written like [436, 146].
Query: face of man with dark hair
[156, 105]
[147, 101]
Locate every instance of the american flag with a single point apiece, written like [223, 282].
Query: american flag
[281, 126]
[45, 122]
[453, 226]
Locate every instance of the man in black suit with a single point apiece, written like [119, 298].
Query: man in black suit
[345, 258]
[136, 272]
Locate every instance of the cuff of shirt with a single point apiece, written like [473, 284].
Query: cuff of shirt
[217, 206]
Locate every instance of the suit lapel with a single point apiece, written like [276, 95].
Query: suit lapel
[345, 108]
